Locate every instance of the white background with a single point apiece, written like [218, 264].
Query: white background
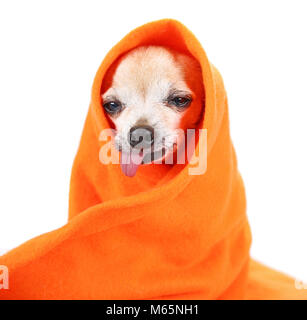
[49, 53]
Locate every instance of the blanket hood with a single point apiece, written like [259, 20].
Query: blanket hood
[88, 172]
[185, 238]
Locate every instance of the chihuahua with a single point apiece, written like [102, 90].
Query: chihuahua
[153, 95]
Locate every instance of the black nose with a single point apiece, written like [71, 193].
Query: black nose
[141, 136]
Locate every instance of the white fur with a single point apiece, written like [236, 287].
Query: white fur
[142, 83]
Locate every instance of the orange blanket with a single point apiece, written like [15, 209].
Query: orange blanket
[187, 237]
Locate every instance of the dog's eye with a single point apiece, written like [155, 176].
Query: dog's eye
[112, 107]
[180, 102]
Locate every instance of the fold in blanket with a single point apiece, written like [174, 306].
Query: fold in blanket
[185, 237]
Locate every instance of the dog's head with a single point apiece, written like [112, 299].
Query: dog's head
[155, 93]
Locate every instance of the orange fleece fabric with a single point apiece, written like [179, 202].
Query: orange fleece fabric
[185, 237]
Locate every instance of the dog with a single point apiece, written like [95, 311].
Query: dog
[151, 95]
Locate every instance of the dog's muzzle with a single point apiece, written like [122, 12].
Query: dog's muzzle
[141, 137]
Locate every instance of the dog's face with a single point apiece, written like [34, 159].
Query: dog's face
[153, 93]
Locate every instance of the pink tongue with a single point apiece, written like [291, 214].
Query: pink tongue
[130, 162]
